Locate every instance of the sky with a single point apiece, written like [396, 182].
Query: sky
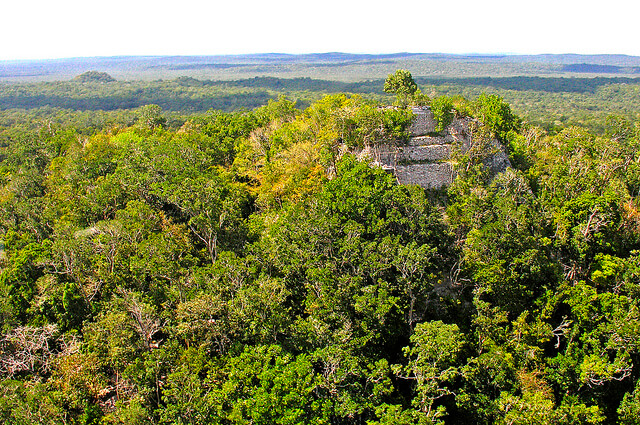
[37, 29]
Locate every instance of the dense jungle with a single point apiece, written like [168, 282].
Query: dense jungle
[193, 251]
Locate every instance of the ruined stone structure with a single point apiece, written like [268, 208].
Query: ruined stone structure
[426, 159]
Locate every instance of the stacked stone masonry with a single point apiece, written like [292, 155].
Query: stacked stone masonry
[425, 159]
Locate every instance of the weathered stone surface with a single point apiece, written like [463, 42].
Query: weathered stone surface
[429, 140]
[460, 128]
[429, 176]
[429, 153]
[386, 155]
[424, 123]
[498, 162]
[425, 159]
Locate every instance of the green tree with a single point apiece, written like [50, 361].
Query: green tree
[432, 359]
[29, 404]
[443, 112]
[151, 117]
[496, 114]
[401, 84]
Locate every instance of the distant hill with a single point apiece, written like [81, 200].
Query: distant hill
[346, 67]
[94, 77]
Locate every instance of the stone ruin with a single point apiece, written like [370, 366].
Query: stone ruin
[426, 159]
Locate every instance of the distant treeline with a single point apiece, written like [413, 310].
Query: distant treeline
[184, 94]
[230, 102]
[543, 84]
[599, 69]
[274, 83]
[124, 95]
[544, 101]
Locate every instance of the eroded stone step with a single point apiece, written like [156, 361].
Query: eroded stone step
[424, 122]
[425, 153]
[430, 140]
[429, 176]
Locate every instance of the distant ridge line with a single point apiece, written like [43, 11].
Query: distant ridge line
[341, 66]
[553, 57]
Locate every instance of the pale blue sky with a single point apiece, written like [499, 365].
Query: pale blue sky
[35, 29]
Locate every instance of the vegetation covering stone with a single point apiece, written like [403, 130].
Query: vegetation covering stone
[430, 161]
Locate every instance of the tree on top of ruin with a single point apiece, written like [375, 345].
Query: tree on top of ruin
[401, 84]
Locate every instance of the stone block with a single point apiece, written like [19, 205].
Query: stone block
[426, 153]
[423, 123]
[429, 140]
[428, 176]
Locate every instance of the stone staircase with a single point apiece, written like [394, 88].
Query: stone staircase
[425, 159]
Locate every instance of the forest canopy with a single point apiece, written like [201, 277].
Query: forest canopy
[249, 267]
[548, 102]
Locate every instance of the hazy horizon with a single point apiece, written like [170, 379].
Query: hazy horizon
[257, 54]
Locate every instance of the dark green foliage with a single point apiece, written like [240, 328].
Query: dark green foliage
[247, 267]
[74, 305]
[629, 410]
[29, 403]
[151, 117]
[223, 132]
[397, 122]
[496, 114]
[401, 84]
[550, 102]
[443, 111]
[539, 84]
[98, 96]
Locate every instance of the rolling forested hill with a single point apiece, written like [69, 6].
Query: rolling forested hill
[333, 66]
[551, 91]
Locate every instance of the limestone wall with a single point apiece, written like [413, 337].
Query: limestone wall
[430, 176]
[429, 153]
[425, 159]
[424, 122]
